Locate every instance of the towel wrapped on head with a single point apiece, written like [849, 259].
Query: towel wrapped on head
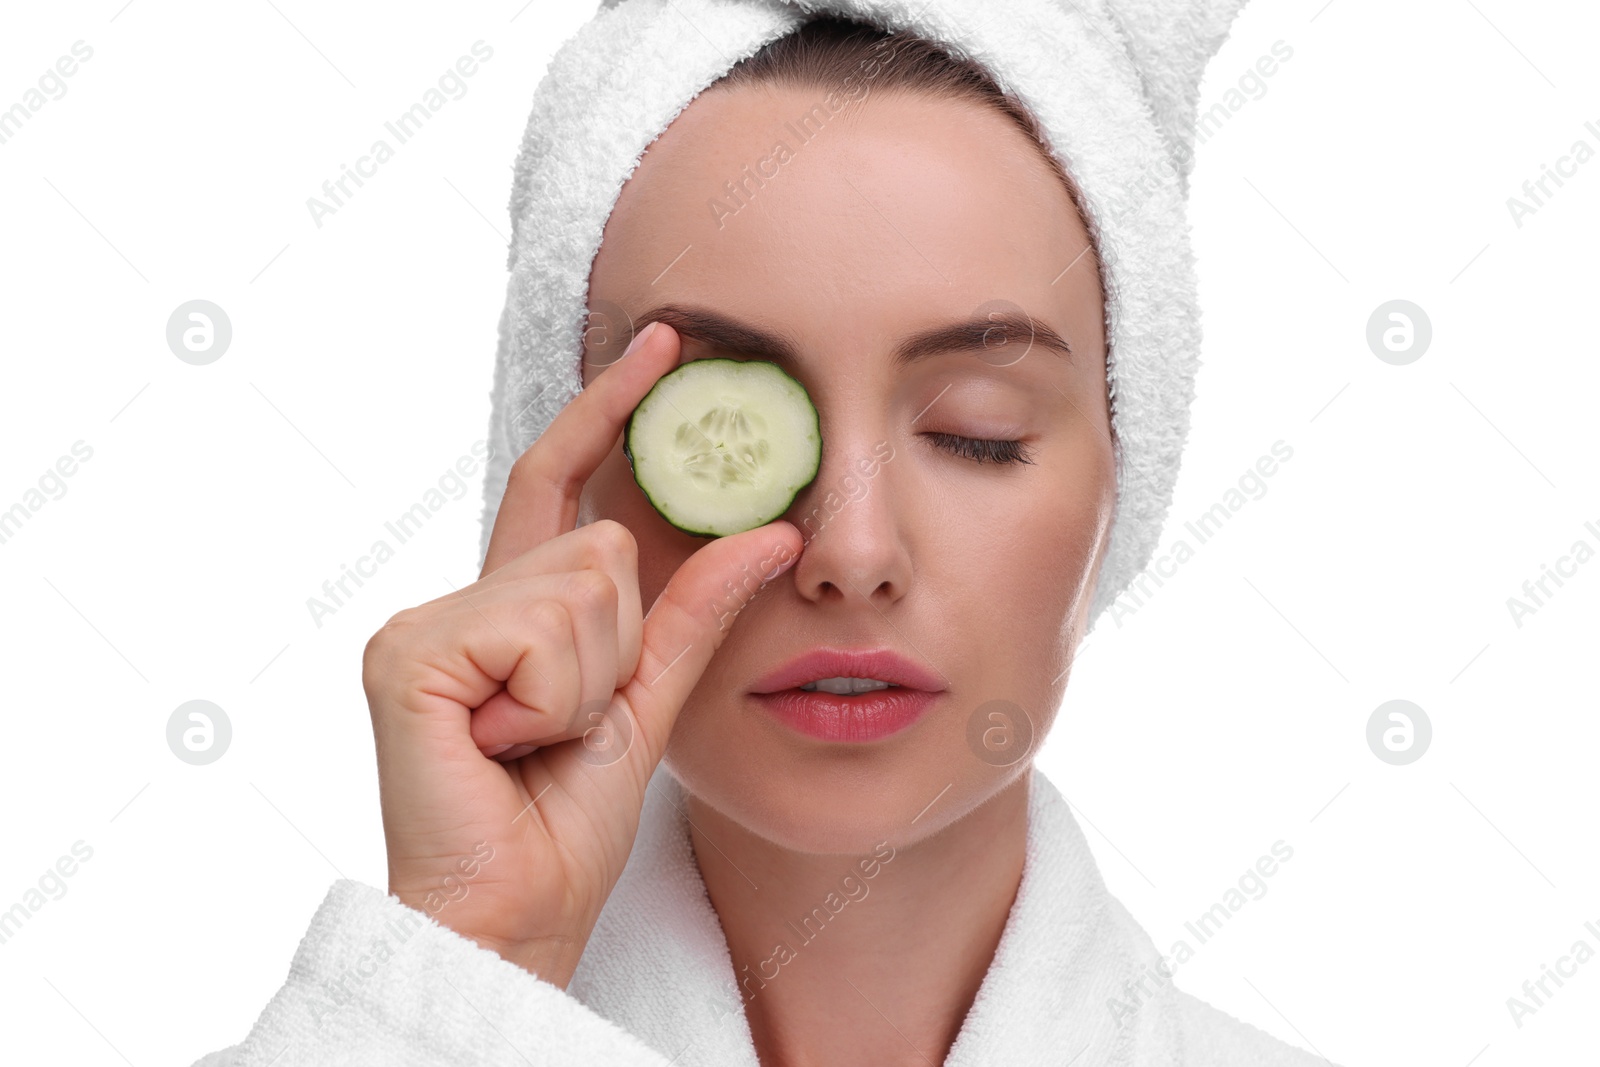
[1112, 84]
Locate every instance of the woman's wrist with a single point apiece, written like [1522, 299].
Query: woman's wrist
[550, 959]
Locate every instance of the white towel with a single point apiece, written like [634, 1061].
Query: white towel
[1114, 83]
[656, 985]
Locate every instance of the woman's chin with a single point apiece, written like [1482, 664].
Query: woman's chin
[839, 808]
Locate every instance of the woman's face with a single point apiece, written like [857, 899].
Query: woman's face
[906, 214]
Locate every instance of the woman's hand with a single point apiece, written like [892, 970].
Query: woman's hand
[550, 654]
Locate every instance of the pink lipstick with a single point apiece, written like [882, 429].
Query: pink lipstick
[875, 713]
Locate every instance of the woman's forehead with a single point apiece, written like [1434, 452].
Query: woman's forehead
[898, 185]
[906, 211]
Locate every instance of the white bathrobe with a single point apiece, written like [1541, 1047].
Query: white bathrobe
[1075, 980]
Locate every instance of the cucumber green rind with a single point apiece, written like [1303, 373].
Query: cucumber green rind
[679, 395]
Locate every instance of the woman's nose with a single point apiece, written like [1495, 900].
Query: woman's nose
[856, 531]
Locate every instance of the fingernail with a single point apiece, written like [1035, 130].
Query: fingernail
[638, 339]
[496, 750]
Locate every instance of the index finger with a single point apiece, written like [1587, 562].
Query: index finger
[544, 484]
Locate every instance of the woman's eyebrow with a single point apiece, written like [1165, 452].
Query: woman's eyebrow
[978, 335]
[1000, 329]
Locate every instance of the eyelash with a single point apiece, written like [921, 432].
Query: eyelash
[983, 450]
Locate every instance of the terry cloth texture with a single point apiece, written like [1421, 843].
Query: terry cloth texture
[1075, 979]
[1114, 83]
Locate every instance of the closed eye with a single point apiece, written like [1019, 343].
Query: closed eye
[982, 449]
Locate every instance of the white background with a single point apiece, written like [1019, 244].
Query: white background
[1226, 713]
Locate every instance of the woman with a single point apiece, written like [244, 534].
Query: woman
[610, 840]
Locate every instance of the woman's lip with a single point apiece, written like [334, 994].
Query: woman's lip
[884, 664]
[865, 716]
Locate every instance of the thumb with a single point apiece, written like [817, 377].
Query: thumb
[692, 617]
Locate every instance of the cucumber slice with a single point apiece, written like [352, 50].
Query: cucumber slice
[723, 445]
